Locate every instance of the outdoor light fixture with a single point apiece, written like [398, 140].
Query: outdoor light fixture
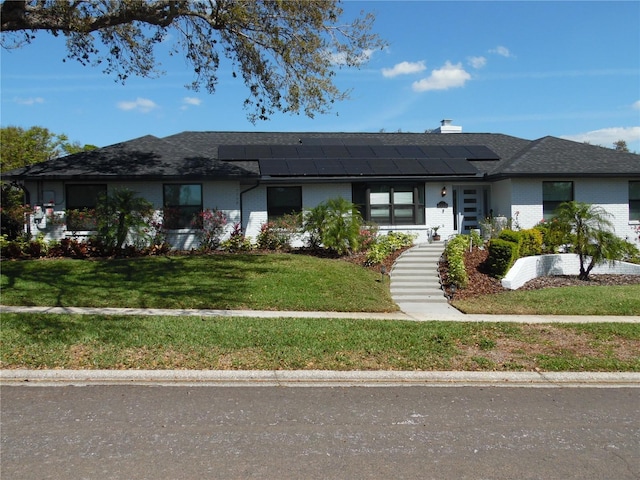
[383, 271]
[443, 192]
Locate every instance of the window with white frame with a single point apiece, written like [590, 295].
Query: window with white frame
[634, 201]
[181, 205]
[283, 201]
[553, 194]
[81, 201]
[390, 204]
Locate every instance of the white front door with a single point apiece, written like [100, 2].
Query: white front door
[470, 207]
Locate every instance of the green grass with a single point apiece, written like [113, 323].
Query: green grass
[141, 342]
[583, 300]
[252, 281]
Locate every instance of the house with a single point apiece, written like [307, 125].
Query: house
[408, 182]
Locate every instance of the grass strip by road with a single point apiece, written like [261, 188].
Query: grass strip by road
[582, 300]
[251, 281]
[130, 342]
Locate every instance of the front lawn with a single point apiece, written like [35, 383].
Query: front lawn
[140, 342]
[250, 281]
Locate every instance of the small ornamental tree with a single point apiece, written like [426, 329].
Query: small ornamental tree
[120, 214]
[335, 225]
[589, 235]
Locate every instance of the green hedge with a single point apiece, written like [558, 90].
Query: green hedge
[502, 255]
[454, 252]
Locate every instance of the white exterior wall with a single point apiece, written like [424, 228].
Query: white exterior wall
[500, 203]
[612, 194]
[216, 195]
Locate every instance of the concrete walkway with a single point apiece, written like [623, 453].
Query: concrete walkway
[411, 316]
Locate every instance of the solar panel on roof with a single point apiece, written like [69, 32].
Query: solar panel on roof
[357, 166]
[408, 166]
[231, 152]
[457, 151]
[254, 152]
[274, 167]
[461, 166]
[385, 151]
[302, 166]
[434, 151]
[359, 151]
[383, 167]
[481, 152]
[335, 151]
[436, 166]
[409, 151]
[310, 151]
[330, 166]
[284, 151]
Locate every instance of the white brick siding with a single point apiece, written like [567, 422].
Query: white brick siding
[528, 268]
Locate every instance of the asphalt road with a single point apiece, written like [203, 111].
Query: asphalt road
[159, 432]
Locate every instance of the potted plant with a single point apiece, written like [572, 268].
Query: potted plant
[434, 233]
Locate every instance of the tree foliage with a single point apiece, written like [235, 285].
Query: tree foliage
[335, 225]
[21, 148]
[589, 235]
[285, 51]
[621, 146]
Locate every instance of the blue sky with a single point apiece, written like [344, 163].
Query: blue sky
[529, 69]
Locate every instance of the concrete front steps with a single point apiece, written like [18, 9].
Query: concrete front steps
[415, 285]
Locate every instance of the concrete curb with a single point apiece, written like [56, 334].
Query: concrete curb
[317, 378]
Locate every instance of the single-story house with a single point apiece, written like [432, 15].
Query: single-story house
[409, 182]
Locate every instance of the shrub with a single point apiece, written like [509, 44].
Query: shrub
[530, 242]
[334, 225]
[502, 255]
[455, 251]
[510, 236]
[385, 245]
[277, 234]
[210, 225]
[237, 242]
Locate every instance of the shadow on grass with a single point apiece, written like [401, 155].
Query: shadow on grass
[216, 281]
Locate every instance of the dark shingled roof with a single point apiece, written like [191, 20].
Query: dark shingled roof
[191, 155]
[551, 156]
[146, 157]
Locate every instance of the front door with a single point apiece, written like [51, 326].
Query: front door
[469, 207]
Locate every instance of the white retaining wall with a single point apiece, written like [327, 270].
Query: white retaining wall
[528, 268]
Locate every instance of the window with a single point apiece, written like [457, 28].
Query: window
[390, 204]
[634, 201]
[553, 194]
[182, 204]
[283, 200]
[81, 202]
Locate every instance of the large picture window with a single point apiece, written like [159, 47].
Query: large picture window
[553, 194]
[182, 203]
[283, 201]
[634, 201]
[390, 204]
[81, 202]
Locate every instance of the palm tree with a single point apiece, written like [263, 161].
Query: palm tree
[588, 231]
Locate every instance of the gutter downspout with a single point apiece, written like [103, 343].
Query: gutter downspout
[242, 192]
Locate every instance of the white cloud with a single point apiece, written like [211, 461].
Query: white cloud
[502, 51]
[340, 58]
[191, 101]
[636, 105]
[449, 76]
[29, 101]
[606, 136]
[404, 68]
[477, 62]
[142, 105]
